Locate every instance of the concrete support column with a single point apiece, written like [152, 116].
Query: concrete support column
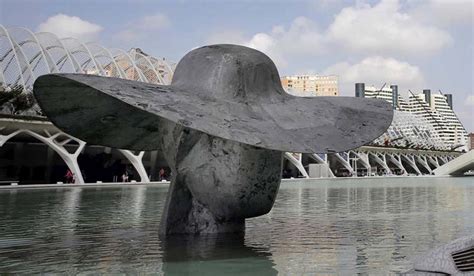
[411, 161]
[297, 163]
[136, 160]
[422, 160]
[381, 161]
[442, 158]
[398, 162]
[364, 160]
[322, 160]
[318, 158]
[433, 160]
[69, 158]
[344, 162]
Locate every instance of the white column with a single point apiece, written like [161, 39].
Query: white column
[297, 163]
[136, 160]
[411, 161]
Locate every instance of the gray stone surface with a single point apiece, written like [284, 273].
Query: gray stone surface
[216, 183]
[440, 261]
[228, 91]
[222, 124]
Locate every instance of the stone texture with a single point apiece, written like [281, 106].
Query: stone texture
[440, 261]
[227, 91]
[222, 124]
[216, 183]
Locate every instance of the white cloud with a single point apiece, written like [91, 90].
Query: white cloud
[381, 29]
[301, 38]
[443, 12]
[70, 26]
[145, 26]
[385, 29]
[376, 70]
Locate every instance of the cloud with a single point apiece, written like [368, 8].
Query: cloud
[143, 27]
[382, 29]
[301, 38]
[443, 12]
[385, 29]
[70, 26]
[376, 70]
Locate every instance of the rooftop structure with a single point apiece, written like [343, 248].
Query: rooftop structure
[311, 85]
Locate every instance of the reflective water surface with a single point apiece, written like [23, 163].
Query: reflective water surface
[342, 226]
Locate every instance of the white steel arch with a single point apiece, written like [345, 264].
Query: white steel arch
[7, 35]
[58, 146]
[46, 56]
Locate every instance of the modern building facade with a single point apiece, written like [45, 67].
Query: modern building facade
[438, 109]
[434, 109]
[311, 85]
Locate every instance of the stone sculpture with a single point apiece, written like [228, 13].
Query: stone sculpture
[222, 124]
[454, 258]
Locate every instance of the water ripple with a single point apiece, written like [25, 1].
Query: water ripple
[366, 226]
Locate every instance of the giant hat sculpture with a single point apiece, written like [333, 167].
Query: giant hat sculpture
[222, 124]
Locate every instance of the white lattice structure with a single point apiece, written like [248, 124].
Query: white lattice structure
[410, 130]
[25, 55]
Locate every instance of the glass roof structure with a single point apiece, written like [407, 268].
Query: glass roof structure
[409, 130]
[25, 55]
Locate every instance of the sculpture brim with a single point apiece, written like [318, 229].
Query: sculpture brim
[126, 114]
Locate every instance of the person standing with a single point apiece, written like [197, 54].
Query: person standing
[69, 176]
[125, 176]
[161, 174]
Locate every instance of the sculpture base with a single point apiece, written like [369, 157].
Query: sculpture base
[185, 215]
[217, 183]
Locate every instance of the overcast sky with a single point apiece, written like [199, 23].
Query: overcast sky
[415, 44]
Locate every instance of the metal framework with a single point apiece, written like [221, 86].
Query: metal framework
[25, 55]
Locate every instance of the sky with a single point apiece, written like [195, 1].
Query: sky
[415, 44]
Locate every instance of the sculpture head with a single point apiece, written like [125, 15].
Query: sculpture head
[228, 72]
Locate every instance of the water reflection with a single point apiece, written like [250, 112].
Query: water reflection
[362, 226]
[214, 255]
